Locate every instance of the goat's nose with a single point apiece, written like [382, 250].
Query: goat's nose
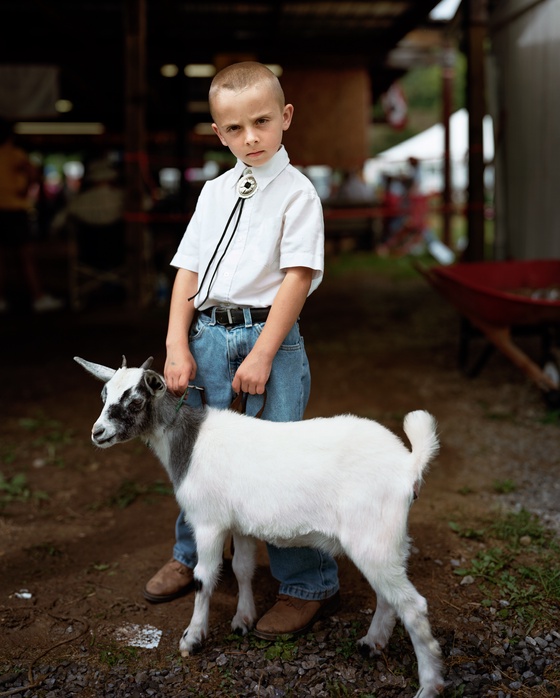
[97, 432]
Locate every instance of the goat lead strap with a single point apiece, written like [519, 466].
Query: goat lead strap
[184, 396]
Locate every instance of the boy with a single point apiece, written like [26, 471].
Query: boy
[250, 256]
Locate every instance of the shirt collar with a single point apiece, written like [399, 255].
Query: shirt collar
[265, 173]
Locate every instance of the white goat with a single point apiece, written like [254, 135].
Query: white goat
[343, 484]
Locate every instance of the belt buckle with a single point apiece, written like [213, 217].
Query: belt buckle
[227, 310]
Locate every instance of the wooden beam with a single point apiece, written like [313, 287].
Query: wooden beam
[475, 31]
[448, 73]
[135, 144]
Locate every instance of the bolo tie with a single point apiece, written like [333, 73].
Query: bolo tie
[246, 187]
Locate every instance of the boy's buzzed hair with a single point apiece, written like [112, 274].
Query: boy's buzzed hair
[239, 76]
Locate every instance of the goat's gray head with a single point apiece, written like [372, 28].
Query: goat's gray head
[127, 398]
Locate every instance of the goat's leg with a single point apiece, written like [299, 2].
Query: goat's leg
[209, 545]
[243, 565]
[382, 625]
[388, 579]
[414, 615]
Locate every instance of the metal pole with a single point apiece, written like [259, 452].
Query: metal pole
[135, 141]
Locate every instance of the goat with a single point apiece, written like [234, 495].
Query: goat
[343, 484]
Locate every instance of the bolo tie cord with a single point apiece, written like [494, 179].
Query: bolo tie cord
[239, 203]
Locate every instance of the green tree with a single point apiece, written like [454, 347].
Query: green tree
[423, 91]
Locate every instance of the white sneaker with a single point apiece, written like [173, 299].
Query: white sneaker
[46, 304]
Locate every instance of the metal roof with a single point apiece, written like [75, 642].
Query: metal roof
[86, 39]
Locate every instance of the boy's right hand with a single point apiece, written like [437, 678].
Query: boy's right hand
[180, 368]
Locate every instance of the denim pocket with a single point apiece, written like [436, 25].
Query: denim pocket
[293, 340]
[198, 329]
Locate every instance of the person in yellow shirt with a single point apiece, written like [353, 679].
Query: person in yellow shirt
[16, 174]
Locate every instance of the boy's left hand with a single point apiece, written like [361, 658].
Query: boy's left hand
[253, 374]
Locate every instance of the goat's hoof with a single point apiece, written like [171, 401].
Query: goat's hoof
[193, 649]
[368, 650]
[365, 650]
[241, 626]
[189, 644]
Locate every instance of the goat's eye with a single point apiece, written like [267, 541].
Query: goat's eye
[136, 405]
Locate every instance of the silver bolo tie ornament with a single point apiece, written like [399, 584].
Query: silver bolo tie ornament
[247, 185]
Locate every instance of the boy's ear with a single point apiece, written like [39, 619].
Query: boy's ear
[287, 116]
[217, 132]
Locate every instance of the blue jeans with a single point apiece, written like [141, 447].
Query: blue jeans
[218, 351]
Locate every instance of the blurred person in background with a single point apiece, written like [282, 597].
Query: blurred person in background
[16, 176]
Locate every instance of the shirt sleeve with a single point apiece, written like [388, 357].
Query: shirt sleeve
[188, 252]
[303, 235]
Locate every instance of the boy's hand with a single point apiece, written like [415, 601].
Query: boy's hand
[253, 374]
[180, 368]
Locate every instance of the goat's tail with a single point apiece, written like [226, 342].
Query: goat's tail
[421, 429]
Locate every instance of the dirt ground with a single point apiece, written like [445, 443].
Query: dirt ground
[87, 528]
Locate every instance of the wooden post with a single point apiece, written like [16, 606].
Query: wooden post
[135, 143]
[448, 71]
[475, 31]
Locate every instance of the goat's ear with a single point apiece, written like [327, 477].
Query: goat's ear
[103, 373]
[155, 383]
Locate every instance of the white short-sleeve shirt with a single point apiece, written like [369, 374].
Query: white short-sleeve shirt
[281, 226]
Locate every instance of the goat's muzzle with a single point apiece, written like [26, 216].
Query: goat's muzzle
[101, 438]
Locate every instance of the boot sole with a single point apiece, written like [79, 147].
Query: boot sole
[165, 598]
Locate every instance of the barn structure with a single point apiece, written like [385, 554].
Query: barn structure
[132, 76]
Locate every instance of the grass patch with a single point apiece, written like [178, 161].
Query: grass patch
[519, 569]
[113, 654]
[283, 648]
[337, 689]
[388, 267]
[42, 551]
[128, 492]
[469, 533]
[504, 486]
[347, 647]
[551, 417]
[16, 489]
[38, 435]
[52, 439]
[9, 455]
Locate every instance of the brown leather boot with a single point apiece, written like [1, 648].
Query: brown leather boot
[171, 582]
[292, 616]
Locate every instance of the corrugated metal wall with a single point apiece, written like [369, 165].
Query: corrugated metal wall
[526, 70]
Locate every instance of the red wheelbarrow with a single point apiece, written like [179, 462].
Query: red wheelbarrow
[498, 297]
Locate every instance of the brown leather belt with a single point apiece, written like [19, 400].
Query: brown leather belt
[236, 316]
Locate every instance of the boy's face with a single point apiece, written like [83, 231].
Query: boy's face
[251, 122]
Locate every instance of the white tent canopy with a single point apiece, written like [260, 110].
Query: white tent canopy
[429, 145]
[428, 148]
